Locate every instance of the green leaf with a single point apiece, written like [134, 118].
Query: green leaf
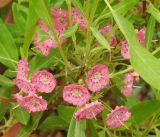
[18, 17]
[9, 73]
[40, 62]
[70, 31]
[150, 71]
[29, 29]
[66, 112]
[102, 133]
[31, 126]
[80, 129]
[101, 39]
[58, 3]
[4, 107]
[76, 128]
[77, 4]
[5, 82]
[121, 7]
[150, 32]
[92, 132]
[154, 12]
[8, 52]
[144, 110]
[22, 115]
[53, 122]
[42, 36]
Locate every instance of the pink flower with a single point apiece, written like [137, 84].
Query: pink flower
[125, 50]
[25, 86]
[89, 111]
[60, 24]
[43, 26]
[44, 46]
[76, 94]
[118, 116]
[97, 78]
[78, 17]
[22, 69]
[59, 19]
[124, 47]
[106, 29]
[44, 81]
[32, 103]
[141, 36]
[129, 80]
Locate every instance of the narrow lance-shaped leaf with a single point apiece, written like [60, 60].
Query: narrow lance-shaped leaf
[154, 12]
[70, 31]
[29, 29]
[121, 7]
[76, 128]
[101, 39]
[144, 63]
[6, 82]
[78, 5]
[150, 32]
[21, 115]
[8, 49]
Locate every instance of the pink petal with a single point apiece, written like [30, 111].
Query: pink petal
[25, 86]
[32, 103]
[89, 111]
[118, 116]
[76, 94]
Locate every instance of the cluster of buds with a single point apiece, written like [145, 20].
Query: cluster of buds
[105, 30]
[125, 49]
[41, 81]
[129, 80]
[59, 18]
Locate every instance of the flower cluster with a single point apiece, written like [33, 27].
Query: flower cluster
[41, 81]
[105, 30]
[129, 80]
[124, 43]
[59, 18]
[97, 79]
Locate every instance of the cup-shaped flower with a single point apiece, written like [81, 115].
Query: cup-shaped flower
[76, 94]
[97, 78]
[32, 103]
[118, 116]
[44, 81]
[25, 86]
[89, 111]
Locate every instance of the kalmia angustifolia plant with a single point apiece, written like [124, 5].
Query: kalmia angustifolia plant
[80, 68]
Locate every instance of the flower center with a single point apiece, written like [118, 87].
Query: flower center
[61, 21]
[76, 93]
[96, 77]
[33, 101]
[44, 79]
